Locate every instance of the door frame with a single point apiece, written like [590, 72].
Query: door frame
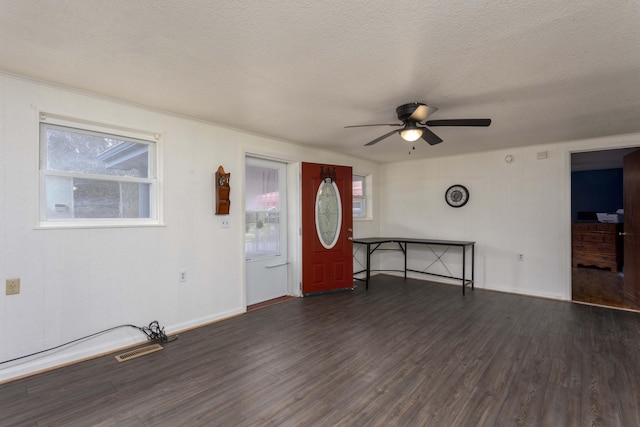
[582, 146]
[294, 221]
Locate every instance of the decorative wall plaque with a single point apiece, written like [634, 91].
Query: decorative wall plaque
[222, 192]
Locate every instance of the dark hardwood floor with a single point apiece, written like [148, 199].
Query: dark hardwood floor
[602, 287]
[408, 353]
[267, 303]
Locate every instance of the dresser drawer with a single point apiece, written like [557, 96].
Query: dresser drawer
[595, 237]
[594, 226]
[594, 259]
[596, 245]
[605, 248]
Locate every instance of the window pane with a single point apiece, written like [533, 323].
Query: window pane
[72, 150]
[262, 204]
[59, 197]
[358, 191]
[358, 185]
[96, 174]
[87, 198]
[263, 233]
[96, 199]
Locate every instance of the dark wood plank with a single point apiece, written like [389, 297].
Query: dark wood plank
[267, 303]
[600, 287]
[404, 353]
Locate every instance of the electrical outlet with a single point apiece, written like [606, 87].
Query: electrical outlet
[182, 276]
[520, 257]
[224, 223]
[13, 287]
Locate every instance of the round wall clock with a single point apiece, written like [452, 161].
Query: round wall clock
[457, 196]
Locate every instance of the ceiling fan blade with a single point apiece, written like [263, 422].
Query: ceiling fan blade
[378, 124]
[380, 138]
[459, 122]
[430, 137]
[421, 112]
[414, 111]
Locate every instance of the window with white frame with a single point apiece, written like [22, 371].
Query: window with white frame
[96, 175]
[359, 196]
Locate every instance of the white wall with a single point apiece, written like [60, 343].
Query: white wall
[79, 281]
[519, 207]
[75, 282]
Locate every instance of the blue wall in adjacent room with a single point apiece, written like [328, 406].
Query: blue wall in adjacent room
[596, 191]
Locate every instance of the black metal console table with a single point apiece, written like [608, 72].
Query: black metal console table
[373, 243]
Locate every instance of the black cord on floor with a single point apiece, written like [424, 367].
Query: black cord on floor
[153, 332]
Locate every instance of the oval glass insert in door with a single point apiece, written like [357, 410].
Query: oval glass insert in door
[328, 213]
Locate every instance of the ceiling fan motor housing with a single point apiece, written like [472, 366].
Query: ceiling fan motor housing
[405, 111]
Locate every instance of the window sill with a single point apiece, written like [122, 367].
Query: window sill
[95, 224]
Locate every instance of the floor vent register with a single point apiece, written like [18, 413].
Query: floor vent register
[138, 352]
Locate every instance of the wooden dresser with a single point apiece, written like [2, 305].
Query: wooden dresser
[596, 244]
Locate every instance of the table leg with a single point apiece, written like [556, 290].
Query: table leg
[464, 265]
[405, 250]
[368, 266]
[473, 269]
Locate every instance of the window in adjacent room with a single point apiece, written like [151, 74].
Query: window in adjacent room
[95, 175]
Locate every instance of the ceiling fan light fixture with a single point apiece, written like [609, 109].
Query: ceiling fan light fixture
[413, 118]
[411, 134]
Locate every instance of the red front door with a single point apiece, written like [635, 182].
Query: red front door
[327, 221]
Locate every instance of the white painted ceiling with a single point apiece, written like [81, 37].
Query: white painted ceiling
[543, 71]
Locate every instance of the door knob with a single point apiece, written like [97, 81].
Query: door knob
[622, 233]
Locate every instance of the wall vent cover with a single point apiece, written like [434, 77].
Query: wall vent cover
[138, 352]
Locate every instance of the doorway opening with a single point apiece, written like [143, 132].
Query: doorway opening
[266, 243]
[597, 228]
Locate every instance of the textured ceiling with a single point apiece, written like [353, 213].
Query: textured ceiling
[544, 71]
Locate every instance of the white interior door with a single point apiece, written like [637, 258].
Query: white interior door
[266, 229]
